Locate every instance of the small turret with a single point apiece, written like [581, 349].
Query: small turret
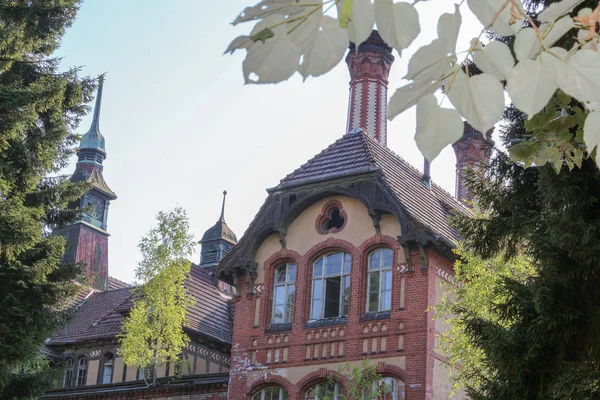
[217, 240]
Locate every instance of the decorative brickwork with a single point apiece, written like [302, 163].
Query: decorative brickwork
[470, 152]
[369, 69]
[400, 341]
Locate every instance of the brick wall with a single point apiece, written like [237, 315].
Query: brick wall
[402, 344]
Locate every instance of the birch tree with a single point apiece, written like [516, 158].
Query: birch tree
[153, 331]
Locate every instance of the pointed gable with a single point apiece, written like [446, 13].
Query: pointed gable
[356, 153]
[349, 155]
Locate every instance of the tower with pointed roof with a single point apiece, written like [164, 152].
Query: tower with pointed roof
[217, 241]
[87, 239]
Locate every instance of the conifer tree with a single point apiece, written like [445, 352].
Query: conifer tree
[39, 109]
[540, 338]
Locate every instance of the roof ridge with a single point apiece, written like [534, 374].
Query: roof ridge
[307, 162]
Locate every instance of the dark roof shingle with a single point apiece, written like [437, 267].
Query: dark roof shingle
[100, 314]
[356, 153]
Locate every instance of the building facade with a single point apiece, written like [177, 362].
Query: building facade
[343, 262]
[87, 348]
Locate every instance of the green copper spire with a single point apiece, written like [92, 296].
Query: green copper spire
[93, 139]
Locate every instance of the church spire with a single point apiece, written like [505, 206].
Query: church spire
[92, 148]
[222, 219]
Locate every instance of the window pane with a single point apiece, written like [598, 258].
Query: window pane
[333, 263]
[346, 295]
[290, 303]
[318, 270]
[347, 263]
[386, 301]
[317, 289]
[291, 273]
[279, 296]
[375, 261]
[316, 309]
[373, 301]
[387, 280]
[374, 282]
[387, 258]
[278, 314]
[332, 297]
[280, 274]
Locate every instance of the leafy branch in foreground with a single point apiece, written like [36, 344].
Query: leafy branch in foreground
[301, 35]
[153, 331]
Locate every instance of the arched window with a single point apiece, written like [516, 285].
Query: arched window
[331, 286]
[284, 293]
[391, 388]
[271, 393]
[81, 371]
[68, 377]
[379, 291]
[108, 368]
[321, 390]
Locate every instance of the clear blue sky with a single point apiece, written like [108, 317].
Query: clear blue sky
[181, 126]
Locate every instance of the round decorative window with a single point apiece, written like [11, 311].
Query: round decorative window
[332, 218]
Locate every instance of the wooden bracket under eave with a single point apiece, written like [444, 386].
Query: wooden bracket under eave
[424, 260]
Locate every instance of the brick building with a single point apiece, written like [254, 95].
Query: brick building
[87, 348]
[343, 260]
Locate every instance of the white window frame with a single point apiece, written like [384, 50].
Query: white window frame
[345, 273]
[394, 384]
[289, 285]
[110, 363]
[336, 391]
[262, 394]
[82, 364]
[68, 376]
[380, 269]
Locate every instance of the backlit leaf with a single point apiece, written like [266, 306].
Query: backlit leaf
[530, 85]
[495, 59]
[361, 19]
[398, 24]
[591, 131]
[407, 96]
[430, 62]
[240, 42]
[556, 10]
[479, 99]
[436, 127]
[324, 48]
[578, 75]
[485, 11]
[527, 44]
[448, 28]
[276, 59]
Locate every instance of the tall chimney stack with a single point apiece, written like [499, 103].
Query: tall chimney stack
[470, 151]
[369, 67]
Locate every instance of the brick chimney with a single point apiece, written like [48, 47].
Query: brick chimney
[470, 151]
[369, 69]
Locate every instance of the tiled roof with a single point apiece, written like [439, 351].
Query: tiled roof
[348, 155]
[100, 315]
[356, 153]
[92, 175]
[114, 283]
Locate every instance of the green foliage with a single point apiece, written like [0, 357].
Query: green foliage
[361, 382]
[541, 339]
[40, 108]
[555, 135]
[475, 293]
[153, 331]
